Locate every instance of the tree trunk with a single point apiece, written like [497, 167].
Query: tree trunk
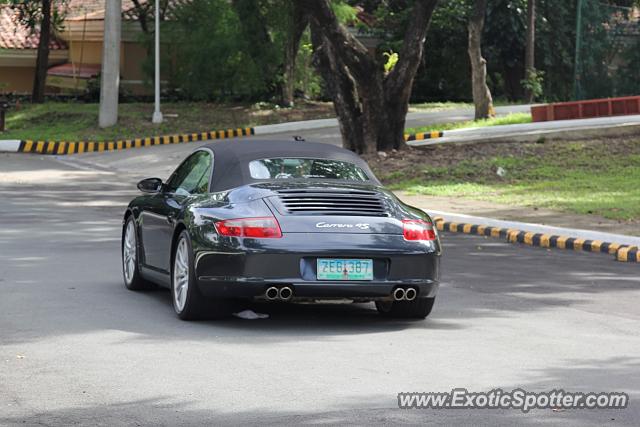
[42, 61]
[298, 23]
[481, 93]
[529, 60]
[371, 107]
[343, 91]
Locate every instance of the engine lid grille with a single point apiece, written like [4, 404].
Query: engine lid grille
[332, 202]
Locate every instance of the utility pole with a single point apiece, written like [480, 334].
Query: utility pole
[110, 80]
[530, 47]
[157, 115]
[577, 86]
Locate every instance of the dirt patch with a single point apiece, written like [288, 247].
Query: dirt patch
[411, 163]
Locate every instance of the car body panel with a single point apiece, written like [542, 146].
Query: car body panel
[244, 267]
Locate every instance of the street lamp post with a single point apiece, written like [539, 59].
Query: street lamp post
[157, 114]
[577, 84]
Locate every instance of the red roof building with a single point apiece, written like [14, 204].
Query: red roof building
[76, 51]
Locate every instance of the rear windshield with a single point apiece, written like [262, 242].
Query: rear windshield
[283, 168]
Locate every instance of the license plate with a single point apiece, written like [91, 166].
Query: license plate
[345, 269]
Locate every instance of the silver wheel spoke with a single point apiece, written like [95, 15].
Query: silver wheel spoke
[129, 252]
[181, 275]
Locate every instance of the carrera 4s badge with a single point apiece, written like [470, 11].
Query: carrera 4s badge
[361, 226]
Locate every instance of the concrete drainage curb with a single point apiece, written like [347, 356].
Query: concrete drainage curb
[74, 147]
[421, 136]
[622, 251]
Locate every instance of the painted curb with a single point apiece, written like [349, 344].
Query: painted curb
[623, 239]
[623, 253]
[75, 147]
[423, 135]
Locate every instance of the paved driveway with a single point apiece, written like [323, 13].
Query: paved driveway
[77, 347]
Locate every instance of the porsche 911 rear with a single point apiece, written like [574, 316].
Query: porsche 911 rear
[322, 241]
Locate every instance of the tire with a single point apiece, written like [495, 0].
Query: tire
[188, 301]
[130, 250]
[419, 308]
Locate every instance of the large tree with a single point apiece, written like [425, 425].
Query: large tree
[39, 16]
[481, 93]
[371, 104]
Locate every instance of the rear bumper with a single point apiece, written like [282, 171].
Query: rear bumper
[365, 290]
[247, 270]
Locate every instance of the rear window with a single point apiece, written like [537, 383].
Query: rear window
[282, 168]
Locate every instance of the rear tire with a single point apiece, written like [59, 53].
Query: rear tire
[131, 258]
[188, 302]
[419, 308]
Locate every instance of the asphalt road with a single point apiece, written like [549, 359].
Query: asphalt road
[77, 348]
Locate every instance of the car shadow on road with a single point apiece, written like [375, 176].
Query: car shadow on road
[307, 319]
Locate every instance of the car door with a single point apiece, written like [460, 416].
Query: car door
[160, 214]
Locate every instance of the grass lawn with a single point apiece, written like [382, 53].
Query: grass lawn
[77, 121]
[509, 119]
[586, 177]
[66, 121]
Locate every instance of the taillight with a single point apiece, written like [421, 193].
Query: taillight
[417, 229]
[261, 228]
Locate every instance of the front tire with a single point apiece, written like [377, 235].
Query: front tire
[188, 301]
[419, 308]
[131, 258]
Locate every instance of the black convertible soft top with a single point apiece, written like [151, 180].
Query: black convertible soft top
[232, 158]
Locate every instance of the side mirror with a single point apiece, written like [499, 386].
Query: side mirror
[150, 185]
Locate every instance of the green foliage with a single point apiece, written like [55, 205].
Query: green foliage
[392, 60]
[30, 12]
[206, 54]
[344, 11]
[445, 71]
[555, 47]
[221, 50]
[533, 83]
[630, 83]
[307, 80]
[607, 56]
[609, 61]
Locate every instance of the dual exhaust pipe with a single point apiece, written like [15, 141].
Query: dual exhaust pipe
[284, 293]
[401, 294]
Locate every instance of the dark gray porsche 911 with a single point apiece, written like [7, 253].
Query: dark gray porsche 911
[278, 221]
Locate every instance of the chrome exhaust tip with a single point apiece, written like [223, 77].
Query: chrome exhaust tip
[399, 294]
[271, 293]
[285, 293]
[410, 294]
